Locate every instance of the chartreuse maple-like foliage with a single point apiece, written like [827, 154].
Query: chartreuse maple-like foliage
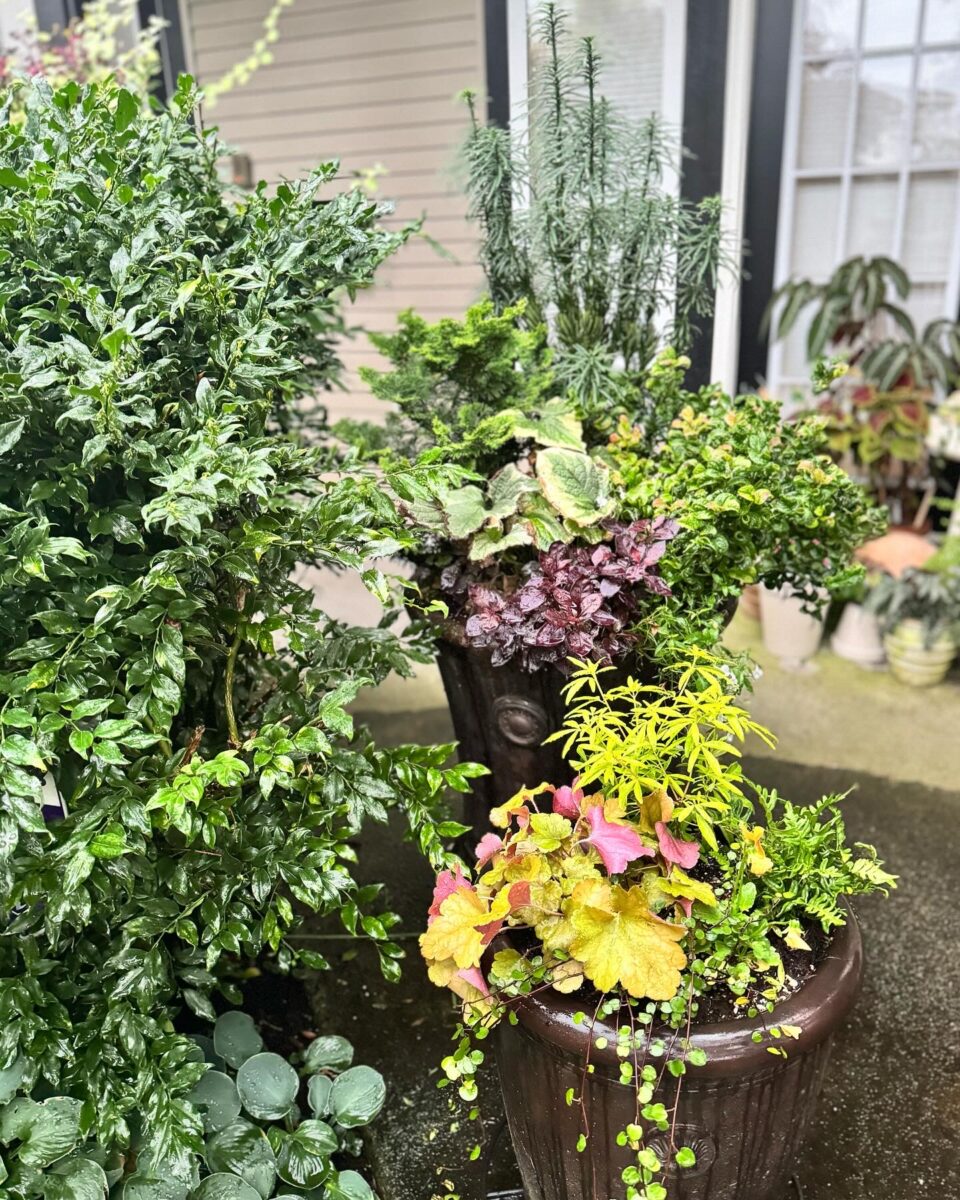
[159, 668]
[644, 886]
[601, 876]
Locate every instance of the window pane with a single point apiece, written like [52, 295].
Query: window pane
[824, 108]
[629, 37]
[936, 133]
[942, 21]
[813, 251]
[883, 107]
[873, 213]
[889, 23]
[830, 26]
[930, 224]
[795, 363]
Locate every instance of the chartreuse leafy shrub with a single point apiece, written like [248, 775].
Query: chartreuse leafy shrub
[159, 668]
[661, 886]
[756, 500]
[269, 1128]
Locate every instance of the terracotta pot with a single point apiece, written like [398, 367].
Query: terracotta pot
[744, 1113]
[857, 637]
[898, 550]
[788, 632]
[913, 661]
[501, 716]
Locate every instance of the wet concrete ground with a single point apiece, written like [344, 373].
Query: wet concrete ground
[889, 1121]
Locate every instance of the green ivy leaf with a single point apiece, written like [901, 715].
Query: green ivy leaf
[556, 425]
[506, 490]
[463, 510]
[491, 541]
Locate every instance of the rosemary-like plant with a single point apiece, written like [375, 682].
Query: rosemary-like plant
[576, 215]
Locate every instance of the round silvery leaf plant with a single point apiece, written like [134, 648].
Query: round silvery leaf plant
[161, 673]
[257, 1141]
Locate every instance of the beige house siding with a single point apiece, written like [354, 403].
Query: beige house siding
[371, 82]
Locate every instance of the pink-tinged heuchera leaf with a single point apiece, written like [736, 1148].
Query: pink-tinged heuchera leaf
[567, 800]
[516, 896]
[616, 844]
[684, 854]
[474, 976]
[447, 883]
[487, 847]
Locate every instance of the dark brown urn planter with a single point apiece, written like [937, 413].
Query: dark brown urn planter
[501, 716]
[745, 1113]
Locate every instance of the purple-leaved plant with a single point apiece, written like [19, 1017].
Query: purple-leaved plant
[579, 601]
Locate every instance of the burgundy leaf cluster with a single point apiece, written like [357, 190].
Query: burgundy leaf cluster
[578, 601]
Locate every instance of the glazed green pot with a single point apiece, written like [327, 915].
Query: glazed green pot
[913, 661]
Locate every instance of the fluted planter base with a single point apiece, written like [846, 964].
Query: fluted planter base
[745, 1113]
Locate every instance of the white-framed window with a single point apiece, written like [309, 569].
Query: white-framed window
[871, 159]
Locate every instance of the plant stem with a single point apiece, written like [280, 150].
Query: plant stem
[233, 732]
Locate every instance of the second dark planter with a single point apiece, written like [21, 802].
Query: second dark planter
[745, 1113]
[501, 716]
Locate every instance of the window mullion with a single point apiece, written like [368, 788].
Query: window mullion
[846, 179]
[903, 190]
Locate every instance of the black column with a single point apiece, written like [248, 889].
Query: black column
[703, 110]
[497, 62]
[173, 58]
[768, 106]
[55, 14]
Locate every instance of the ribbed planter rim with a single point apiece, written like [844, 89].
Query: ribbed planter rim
[909, 635]
[818, 1008]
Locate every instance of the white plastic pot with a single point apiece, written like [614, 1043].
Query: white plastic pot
[857, 637]
[912, 661]
[789, 633]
